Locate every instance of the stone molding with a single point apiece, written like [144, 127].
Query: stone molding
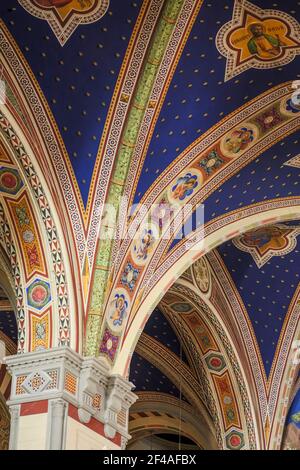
[63, 377]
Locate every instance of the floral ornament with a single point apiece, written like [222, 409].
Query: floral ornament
[38, 294]
[211, 162]
[235, 440]
[201, 274]
[40, 330]
[230, 414]
[22, 216]
[215, 362]
[269, 119]
[181, 307]
[109, 344]
[118, 310]
[129, 276]
[184, 186]
[162, 213]
[33, 256]
[28, 236]
[239, 140]
[10, 181]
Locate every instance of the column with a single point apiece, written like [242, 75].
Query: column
[60, 400]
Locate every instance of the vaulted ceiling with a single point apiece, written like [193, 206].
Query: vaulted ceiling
[177, 101]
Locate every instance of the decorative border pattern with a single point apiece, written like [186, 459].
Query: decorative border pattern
[136, 112]
[54, 244]
[170, 364]
[200, 148]
[27, 234]
[113, 129]
[207, 314]
[238, 311]
[16, 274]
[290, 208]
[221, 222]
[294, 162]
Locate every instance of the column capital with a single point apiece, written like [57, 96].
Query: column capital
[84, 384]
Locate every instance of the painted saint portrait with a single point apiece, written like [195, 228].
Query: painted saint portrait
[262, 237]
[264, 45]
[257, 38]
[144, 244]
[184, 186]
[118, 310]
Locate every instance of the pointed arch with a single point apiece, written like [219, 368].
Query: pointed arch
[39, 249]
[190, 163]
[161, 413]
[188, 251]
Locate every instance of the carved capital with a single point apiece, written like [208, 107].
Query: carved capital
[64, 377]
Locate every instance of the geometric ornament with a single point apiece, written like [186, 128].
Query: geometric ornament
[40, 331]
[295, 162]
[38, 294]
[64, 16]
[235, 440]
[10, 181]
[109, 344]
[256, 38]
[36, 382]
[129, 276]
[215, 362]
[265, 242]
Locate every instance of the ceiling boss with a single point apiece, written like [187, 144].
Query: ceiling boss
[64, 16]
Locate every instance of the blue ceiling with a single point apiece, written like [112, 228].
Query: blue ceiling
[78, 79]
[198, 97]
[266, 292]
[159, 328]
[8, 324]
[146, 377]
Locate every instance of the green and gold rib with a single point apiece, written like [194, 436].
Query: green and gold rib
[157, 47]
